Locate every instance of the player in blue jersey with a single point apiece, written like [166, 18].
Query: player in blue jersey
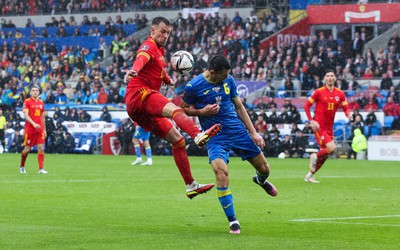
[141, 134]
[213, 97]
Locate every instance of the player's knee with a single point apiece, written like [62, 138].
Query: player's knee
[221, 175]
[332, 148]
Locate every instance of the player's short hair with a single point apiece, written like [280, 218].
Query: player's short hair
[36, 87]
[219, 63]
[329, 71]
[160, 19]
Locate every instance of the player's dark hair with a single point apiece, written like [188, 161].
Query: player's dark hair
[329, 71]
[36, 87]
[160, 19]
[219, 63]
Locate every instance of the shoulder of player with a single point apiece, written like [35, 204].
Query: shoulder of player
[147, 45]
[230, 80]
[340, 91]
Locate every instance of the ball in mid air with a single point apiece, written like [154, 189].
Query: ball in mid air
[182, 62]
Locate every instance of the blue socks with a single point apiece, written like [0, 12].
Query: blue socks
[226, 199]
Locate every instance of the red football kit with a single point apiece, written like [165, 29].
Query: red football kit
[143, 101]
[327, 102]
[34, 136]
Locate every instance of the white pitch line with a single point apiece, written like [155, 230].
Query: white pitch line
[347, 218]
[359, 223]
[338, 220]
[58, 181]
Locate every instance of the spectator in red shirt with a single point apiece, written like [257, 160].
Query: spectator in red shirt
[371, 105]
[261, 125]
[368, 75]
[390, 108]
[353, 104]
[102, 97]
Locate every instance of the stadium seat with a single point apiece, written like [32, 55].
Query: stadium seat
[388, 121]
[351, 93]
[338, 132]
[384, 93]
[366, 130]
[340, 122]
[375, 130]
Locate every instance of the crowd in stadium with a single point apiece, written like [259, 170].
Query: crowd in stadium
[23, 65]
[37, 7]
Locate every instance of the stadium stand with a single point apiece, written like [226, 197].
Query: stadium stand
[71, 73]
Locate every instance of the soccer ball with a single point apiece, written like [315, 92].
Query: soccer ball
[182, 62]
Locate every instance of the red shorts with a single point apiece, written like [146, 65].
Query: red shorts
[324, 137]
[32, 139]
[145, 106]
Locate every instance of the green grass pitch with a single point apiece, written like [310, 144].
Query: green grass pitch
[102, 202]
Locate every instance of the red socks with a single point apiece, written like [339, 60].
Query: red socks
[182, 161]
[23, 159]
[322, 155]
[185, 123]
[41, 160]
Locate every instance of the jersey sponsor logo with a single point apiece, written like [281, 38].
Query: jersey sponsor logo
[206, 92]
[216, 89]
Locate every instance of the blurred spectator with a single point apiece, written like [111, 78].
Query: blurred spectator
[299, 145]
[307, 129]
[102, 97]
[268, 149]
[69, 143]
[371, 105]
[358, 45]
[283, 117]
[386, 82]
[17, 144]
[83, 116]
[362, 100]
[59, 142]
[390, 107]
[276, 144]
[353, 103]
[74, 115]
[105, 116]
[260, 125]
[369, 121]
[294, 115]
[125, 134]
[253, 115]
[287, 145]
[273, 117]
[394, 94]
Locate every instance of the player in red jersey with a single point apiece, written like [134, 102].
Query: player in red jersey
[327, 100]
[146, 106]
[35, 128]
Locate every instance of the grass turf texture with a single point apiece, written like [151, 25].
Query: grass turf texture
[101, 202]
